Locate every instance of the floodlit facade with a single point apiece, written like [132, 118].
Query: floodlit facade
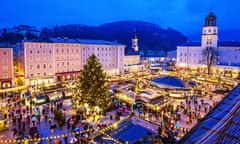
[6, 68]
[226, 55]
[132, 57]
[63, 58]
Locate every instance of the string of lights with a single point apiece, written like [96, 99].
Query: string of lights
[44, 138]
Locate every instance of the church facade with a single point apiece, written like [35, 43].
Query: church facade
[210, 55]
[132, 58]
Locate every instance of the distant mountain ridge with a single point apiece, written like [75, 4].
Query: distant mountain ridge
[151, 36]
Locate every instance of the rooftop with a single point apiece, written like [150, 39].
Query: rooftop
[133, 130]
[130, 51]
[221, 125]
[169, 81]
[221, 43]
[80, 41]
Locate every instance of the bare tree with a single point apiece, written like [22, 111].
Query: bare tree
[210, 57]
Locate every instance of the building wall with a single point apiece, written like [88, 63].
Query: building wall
[46, 62]
[6, 67]
[189, 56]
[132, 63]
[67, 57]
[229, 55]
[132, 59]
[38, 63]
[110, 56]
[209, 36]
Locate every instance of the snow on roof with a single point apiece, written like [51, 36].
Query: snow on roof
[222, 124]
[169, 81]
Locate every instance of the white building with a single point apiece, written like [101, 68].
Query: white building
[61, 59]
[132, 57]
[226, 55]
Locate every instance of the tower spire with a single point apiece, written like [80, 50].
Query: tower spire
[134, 41]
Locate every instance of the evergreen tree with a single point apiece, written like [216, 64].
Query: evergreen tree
[91, 87]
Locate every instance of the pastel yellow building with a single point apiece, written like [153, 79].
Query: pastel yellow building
[6, 67]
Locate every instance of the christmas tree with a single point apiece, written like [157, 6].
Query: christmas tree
[91, 87]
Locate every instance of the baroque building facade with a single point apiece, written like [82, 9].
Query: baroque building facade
[222, 57]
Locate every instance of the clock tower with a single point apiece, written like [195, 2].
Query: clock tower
[210, 32]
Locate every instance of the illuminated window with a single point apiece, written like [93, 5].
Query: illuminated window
[31, 67]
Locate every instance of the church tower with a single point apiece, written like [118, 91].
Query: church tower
[135, 42]
[210, 32]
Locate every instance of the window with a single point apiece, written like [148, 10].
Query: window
[50, 66]
[57, 50]
[194, 55]
[44, 74]
[38, 66]
[44, 51]
[62, 63]
[31, 67]
[38, 74]
[67, 50]
[180, 54]
[38, 52]
[31, 52]
[44, 66]
[50, 51]
[4, 53]
[31, 75]
[5, 68]
[67, 63]
[235, 57]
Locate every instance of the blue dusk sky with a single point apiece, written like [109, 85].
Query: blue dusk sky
[187, 16]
